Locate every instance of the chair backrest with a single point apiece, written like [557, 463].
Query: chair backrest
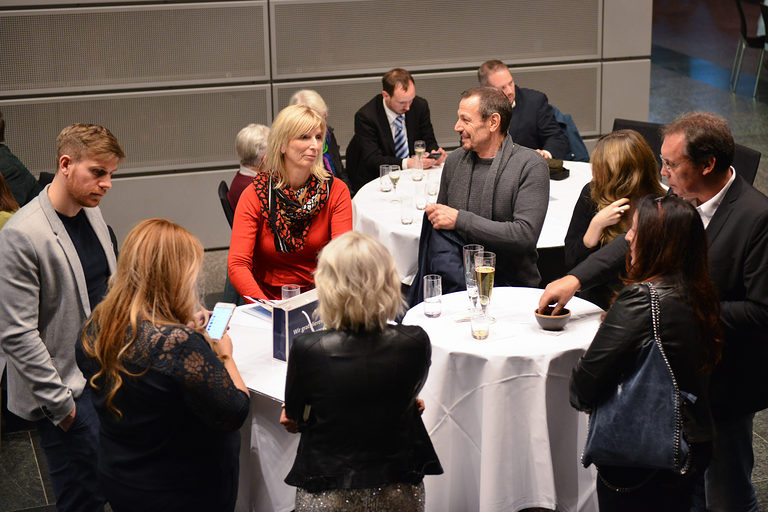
[651, 132]
[228, 212]
[746, 161]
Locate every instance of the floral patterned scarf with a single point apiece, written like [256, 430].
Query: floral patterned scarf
[290, 212]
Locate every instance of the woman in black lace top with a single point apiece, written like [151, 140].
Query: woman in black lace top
[169, 399]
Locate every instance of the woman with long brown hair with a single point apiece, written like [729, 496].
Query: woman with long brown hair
[8, 204]
[668, 251]
[170, 400]
[624, 169]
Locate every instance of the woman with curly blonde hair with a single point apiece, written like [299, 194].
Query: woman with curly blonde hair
[623, 170]
[170, 400]
[352, 389]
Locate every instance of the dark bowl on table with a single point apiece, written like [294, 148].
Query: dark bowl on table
[548, 322]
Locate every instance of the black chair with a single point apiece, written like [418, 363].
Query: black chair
[746, 161]
[651, 132]
[756, 42]
[228, 212]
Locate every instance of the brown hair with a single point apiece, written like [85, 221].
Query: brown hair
[7, 201]
[488, 67]
[394, 77]
[623, 165]
[80, 140]
[707, 136]
[156, 282]
[492, 101]
[670, 243]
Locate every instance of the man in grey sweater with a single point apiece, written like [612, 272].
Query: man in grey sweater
[493, 191]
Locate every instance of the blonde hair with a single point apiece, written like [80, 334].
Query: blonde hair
[79, 140]
[623, 165]
[155, 281]
[357, 284]
[311, 99]
[291, 123]
[251, 144]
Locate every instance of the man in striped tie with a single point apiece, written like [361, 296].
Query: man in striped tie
[387, 126]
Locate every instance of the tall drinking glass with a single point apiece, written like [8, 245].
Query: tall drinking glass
[419, 147]
[470, 251]
[384, 184]
[394, 175]
[485, 272]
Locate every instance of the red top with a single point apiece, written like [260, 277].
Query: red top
[257, 270]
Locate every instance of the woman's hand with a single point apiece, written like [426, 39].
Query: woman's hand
[223, 347]
[420, 405]
[199, 320]
[608, 216]
[290, 425]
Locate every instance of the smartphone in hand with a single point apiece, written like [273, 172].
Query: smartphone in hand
[217, 324]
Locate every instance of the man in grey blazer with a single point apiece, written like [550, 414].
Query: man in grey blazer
[697, 153]
[56, 257]
[493, 191]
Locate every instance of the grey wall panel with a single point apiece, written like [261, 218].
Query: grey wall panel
[573, 88]
[627, 28]
[326, 37]
[189, 199]
[132, 46]
[626, 91]
[159, 130]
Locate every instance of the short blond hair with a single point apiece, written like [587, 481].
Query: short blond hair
[291, 123]
[310, 98]
[357, 284]
[80, 140]
[251, 144]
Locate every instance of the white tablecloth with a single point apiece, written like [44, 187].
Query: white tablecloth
[376, 214]
[498, 412]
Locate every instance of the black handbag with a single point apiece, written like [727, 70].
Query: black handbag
[640, 424]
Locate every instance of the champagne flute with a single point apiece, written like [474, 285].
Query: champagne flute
[394, 175]
[485, 272]
[470, 251]
[419, 147]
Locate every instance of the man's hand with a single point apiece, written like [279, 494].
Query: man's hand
[543, 152]
[67, 422]
[420, 405]
[559, 292]
[289, 425]
[443, 156]
[441, 216]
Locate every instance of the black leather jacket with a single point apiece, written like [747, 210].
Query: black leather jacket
[613, 353]
[363, 428]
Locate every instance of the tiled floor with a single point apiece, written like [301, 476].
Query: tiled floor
[693, 46]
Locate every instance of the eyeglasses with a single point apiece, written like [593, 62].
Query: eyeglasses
[666, 164]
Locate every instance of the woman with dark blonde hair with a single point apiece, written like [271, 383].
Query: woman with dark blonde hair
[170, 399]
[624, 169]
[290, 212]
[351, 390]
[667, 253]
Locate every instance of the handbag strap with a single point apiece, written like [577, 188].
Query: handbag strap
[655, 319]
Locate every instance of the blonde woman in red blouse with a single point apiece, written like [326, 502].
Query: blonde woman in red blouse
[290, 212]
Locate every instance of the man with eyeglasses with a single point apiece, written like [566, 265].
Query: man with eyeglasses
[696, 154]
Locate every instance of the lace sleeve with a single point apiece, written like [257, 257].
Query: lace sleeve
[207, 388]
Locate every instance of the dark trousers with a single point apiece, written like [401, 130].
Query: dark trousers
[72, 458]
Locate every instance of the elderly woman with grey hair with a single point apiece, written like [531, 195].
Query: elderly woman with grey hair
[331, 155]
[351, 390]
[251, 146]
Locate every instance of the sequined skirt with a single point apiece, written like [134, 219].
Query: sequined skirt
[391, 498]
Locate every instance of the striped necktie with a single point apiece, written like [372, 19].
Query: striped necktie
[401, 145]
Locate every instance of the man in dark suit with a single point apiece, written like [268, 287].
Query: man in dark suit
[697, 153]
[533, 123]
[386, 128]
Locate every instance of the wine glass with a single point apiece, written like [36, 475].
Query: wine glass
[470, 251]
[485, 272]
[419, 147]
[394, 175]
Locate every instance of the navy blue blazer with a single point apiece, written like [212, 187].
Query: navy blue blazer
[534, 126]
